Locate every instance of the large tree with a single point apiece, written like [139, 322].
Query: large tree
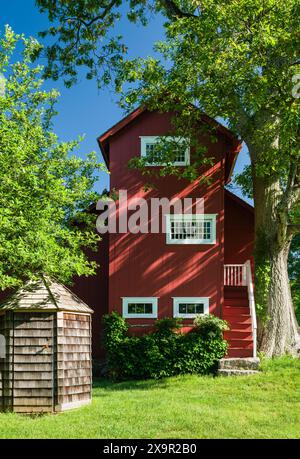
[44, 191]
[234, 59]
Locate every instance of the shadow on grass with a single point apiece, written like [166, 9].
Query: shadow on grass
[109, 385]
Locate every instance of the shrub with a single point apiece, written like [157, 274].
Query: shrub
[164, 352]
[210, 326]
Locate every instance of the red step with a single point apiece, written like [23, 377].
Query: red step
[236, 352]
[237, 334]
[235, 292]
[236, 302]
[237, 323]
[236, 312]
[241, 343]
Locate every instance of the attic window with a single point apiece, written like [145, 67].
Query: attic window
[182, 157]
[191, 229]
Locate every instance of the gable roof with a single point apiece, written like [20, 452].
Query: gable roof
[233, 197]
[103, 139]
[45, 295]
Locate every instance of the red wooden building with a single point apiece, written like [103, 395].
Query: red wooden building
[200, 264]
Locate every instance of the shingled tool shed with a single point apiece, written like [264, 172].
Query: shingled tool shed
[47, 365]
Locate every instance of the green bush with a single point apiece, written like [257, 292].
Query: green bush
[210, 326]
[165, 351]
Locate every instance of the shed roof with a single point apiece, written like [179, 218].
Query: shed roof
[45, 295]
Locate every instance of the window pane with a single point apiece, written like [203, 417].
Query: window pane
[191, 229]
[199, 308]
[180, 155]
[148, 308]
[182, 308]
[191, 308]
[140, 308]
[131, 308]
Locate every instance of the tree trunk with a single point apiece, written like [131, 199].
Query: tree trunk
[278, 331]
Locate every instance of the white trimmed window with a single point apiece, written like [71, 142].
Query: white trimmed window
[140, 307]
[191, 229]
[182, 157]
[189, 307]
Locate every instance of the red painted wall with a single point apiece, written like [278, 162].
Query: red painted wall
[143, 264]
[93, 290]
[239, 230]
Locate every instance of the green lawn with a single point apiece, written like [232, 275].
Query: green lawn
[262, 406]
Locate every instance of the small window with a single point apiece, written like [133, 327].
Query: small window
[191, 229]
[182, 157]
[190, 307]
[140, 307]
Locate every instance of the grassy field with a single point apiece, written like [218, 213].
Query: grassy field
[262, 406]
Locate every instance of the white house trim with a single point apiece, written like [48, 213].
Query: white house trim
[139, 300]
[191, 217]
[190, 299]
[153, 139]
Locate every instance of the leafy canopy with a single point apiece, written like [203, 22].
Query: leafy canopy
[234, 59]
[44, 191]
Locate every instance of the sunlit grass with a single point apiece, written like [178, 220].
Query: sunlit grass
[262, 406]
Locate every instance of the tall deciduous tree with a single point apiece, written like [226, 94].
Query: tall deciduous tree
[235, 59]
[44, 191]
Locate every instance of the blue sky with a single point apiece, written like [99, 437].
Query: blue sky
[84, 109]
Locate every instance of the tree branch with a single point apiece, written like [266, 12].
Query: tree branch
[291, 195]
[293, 229]
[173, 10]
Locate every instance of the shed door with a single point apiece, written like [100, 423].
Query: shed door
[33, 362]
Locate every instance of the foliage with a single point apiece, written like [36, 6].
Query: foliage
[210, 326]
[83, 37]
[165, 351]
[168, 324]
[44, 191]
[237, 60]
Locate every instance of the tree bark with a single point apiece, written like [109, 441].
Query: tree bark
[278, 330]
[281, 332]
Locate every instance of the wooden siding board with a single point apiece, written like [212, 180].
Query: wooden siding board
[36, 378]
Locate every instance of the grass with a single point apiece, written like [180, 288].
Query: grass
[262, 406]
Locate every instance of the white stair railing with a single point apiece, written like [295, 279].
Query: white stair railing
[252, 305]
[235, 275]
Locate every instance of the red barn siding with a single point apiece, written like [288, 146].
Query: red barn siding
[143, 264]
[239, 230]
[93, 290]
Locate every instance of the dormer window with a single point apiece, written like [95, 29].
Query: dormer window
[181, 158]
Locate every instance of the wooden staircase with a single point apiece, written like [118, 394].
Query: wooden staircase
[236, 312]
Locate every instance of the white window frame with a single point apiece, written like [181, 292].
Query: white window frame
[197, 217]
[153, 139]
[190, 299]
[139, 299]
